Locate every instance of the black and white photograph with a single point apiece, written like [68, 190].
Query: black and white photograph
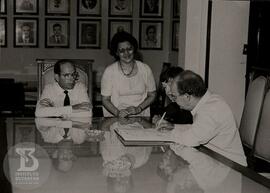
[26, 7]
[26, 32]
[134, 96]
[151, 8]
[118, 26]
[3, 32]
[151, 35]
[3, 6]
[57, 33]
[88, 33]
[89, 7]
[57, 7]
[175, 35]
[120, 8]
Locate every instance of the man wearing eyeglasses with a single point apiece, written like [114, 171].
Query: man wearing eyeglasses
[66, 97]
[213, 121]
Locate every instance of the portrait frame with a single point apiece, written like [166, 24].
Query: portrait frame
[147, 11]
[3, 7]
[92, 10]
[32, 23]
[175, 35]
[31, 9]
[176, 8]
[95, 27]
[57, 9]
[64, 25]
[147, 43]
[114, 24]
[116, 11]
[3, 32]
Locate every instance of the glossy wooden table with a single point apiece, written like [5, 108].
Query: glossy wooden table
[97, 162]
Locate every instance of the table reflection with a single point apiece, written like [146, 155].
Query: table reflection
[89, 157]
[119, 161]
[192, 171]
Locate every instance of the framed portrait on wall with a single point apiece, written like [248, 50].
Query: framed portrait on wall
[176, 8]
[57, 7]
[3, 6]
[88, 33]
[175, 35]
[151, 33]
[57, 33]
[120, 8]
[117, 26]
[151, 8]
[89, 7]
[26, 32]
[26, 6]
[3, 32]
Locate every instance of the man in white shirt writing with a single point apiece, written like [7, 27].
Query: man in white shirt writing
[66, 97]
[213, 121]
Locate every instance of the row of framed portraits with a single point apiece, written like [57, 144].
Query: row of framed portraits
[88, 35]
[122, 8]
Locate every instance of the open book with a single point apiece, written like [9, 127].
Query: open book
[143, 137]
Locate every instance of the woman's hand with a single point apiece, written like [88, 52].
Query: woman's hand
[134, 110]
[123, 113]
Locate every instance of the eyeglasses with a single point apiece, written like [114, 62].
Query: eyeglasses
[124, 50]
[74, 75]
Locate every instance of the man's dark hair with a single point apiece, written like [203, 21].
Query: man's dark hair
[57, 25]
[57, 65]
[122, 37]
[150, 27]
[190, 83]
[171, 72]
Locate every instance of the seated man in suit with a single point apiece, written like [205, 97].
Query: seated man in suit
[65, 97]
[26, 35]
[27, 5]
[58, 37]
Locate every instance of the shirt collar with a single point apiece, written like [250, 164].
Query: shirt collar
[201, 102]
[59, 88]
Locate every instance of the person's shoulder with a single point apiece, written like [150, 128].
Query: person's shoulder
[143, 66]
[50, 86]
[216, 105]
[111, 67]
[79, 85]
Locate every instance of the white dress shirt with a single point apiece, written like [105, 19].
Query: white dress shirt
[213, 126]
[56, 94]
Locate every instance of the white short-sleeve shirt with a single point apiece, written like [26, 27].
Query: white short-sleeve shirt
[127, 91]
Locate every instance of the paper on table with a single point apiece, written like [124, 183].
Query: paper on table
[144, 135]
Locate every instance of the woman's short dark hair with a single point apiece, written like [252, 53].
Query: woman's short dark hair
[171, 72]
[122, 37]
[57, 65]
[191, 83]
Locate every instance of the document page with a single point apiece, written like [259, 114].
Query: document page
[144, 135]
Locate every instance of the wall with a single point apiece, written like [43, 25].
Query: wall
[229, 31]
[20, 62]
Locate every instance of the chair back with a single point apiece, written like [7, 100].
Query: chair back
[252, 110]
[46, 73]
[262, 139]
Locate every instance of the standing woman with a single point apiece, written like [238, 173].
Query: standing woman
[127, 85]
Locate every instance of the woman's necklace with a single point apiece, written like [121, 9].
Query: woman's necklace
[127, 74]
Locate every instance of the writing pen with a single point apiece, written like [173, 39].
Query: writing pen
[160, 121]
